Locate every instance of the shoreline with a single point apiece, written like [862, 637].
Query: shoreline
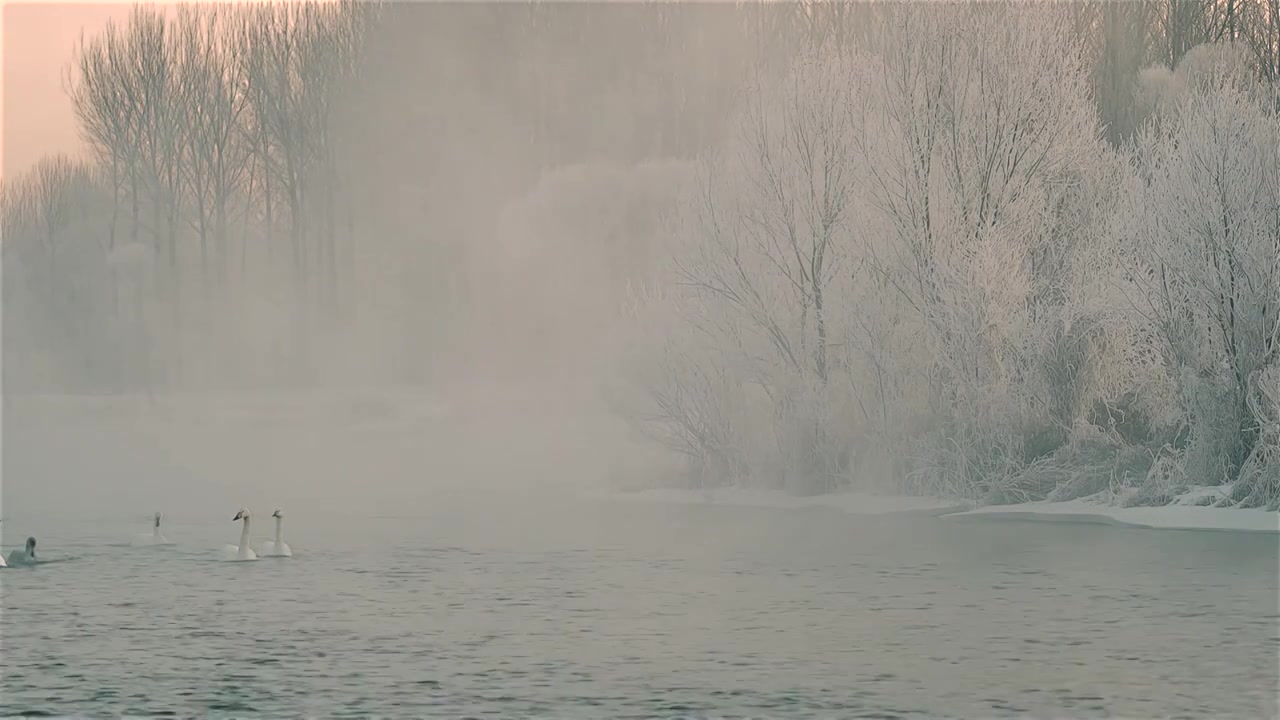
[1182, 514]
[1179, 515]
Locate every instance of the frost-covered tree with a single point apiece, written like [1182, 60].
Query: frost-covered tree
[1163, 91]
[767, 250]
[984, 152]
[774, 220]
[1205, 264]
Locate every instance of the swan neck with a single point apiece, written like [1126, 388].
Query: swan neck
[279, 530]
[244, 534]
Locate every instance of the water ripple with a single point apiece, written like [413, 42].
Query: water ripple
[808, 617]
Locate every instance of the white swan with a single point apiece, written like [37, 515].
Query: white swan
[2, 562]
[26, 556]
[154, 538]
[241, 551]
[277, 547]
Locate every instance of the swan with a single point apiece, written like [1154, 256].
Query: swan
[26, 556]
[155, 538]
[241, 551]
[2, 562]
[277, 547]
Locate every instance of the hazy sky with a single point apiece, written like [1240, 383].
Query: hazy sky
[38, 38]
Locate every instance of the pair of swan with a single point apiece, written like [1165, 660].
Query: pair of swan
[271, 548]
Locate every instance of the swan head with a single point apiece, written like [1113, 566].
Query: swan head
[278, 514]
[242, 515]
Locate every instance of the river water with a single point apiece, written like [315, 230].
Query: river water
[515, 607]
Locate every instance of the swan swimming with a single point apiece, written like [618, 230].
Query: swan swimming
[277, 547]
[155, 538]
[26, 556]
[241, 551]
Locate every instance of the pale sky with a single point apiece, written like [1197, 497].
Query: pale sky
[38, 38]
[36, 42]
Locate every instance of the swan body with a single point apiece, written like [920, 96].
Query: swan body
[26, 556]
[154, 538]
[241, 551]
[277, 547]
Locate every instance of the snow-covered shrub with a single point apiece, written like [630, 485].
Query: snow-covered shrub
[1203, 265]
[1258, 484]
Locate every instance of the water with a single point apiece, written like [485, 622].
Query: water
[516, 609]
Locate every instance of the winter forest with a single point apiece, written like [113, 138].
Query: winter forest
[998, 252]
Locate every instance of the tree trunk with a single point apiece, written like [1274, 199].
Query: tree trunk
[330, 224]
[111, 233]
[820, 352]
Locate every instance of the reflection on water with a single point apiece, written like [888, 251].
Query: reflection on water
[642, 611]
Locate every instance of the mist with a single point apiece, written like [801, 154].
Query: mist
[354, 250]
[485, 212]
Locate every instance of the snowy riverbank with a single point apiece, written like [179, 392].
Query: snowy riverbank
[1183, 514]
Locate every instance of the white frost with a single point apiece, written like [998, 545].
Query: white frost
[1183, 514]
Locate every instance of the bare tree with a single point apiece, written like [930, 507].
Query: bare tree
[776, 214]
[104, 113]
[107, 106]
[268, 37]
[214, 97]
[328, 54]
[1184, 24]
[1262, 33]
[151, 79]
[57, 190]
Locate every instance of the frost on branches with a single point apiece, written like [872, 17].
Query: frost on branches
[1206, 271]
[920, 265]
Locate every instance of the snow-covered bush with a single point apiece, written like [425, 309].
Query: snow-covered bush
[1203, 265]
[922, 262]
[987, 161]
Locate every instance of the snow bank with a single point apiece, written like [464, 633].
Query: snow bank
[1183, 514]
[853, 503]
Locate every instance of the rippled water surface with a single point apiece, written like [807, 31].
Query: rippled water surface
[635, 610]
